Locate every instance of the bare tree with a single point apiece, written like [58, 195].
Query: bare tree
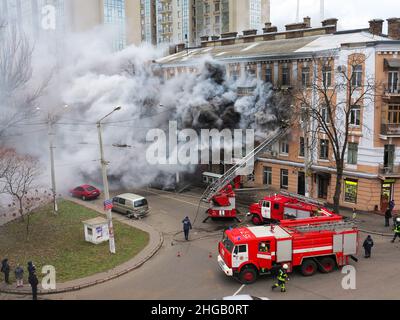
[19, 180]
[332, 101]
[18, 95]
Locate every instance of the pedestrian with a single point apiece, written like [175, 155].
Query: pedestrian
[5, 268]
[33, 281]
[354, 214]
[187, 226]
[19, 276]
[31, 267]
[368, 244]
[388, 215]
[391, 205]
[396, 231]
[282, 278]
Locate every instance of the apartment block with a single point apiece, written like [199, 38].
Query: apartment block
[287, 58]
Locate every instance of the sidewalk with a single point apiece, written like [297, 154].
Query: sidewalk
[155, 242]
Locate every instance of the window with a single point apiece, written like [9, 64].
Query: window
[323, 149]
[276, 206]
[235, 75]
[394, 114]
[302, 147]
[393, 82]
[284, 179]
[355, 116]
[352, 153]
[325, 114]
[217, 6]
[268, 176]
[284, 147]
[121, 201]
[305, 77]
[268, 75]
[241, 249]
[350, 190]
[267, 246]
[217, 19]
[356, 79]
[304, 113]
[285, 76]
[327, 76]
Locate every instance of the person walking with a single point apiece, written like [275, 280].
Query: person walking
[31, 267]
[19, 276]
[354, 214]
[5, 268]
[33, 281]
[396, 231]
[368, 244]
[391, 205]
[388, 216]
[187, 226]
[282, 278]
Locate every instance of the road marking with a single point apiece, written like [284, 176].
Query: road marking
[237, 292]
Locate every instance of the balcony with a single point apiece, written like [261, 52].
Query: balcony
[392, 91]
[392, 130]
[389, 170]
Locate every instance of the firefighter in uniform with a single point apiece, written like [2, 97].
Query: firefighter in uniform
[264, 249]
[396, 230]
[282, 278]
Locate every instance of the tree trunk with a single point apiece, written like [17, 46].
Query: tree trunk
[338, 188]
[21, 210]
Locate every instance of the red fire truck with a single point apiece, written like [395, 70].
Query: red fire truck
[277, 208]
[310, 247]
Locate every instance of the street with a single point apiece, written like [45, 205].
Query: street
[189, 270]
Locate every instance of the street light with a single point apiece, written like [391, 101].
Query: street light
[105, 182]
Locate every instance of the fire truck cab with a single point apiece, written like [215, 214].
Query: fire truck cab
[249, 252]
[276, 208]
[223, 204]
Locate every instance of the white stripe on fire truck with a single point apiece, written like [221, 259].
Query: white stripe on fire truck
[313, 249]
[266, 256]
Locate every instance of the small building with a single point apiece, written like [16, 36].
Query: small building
[96, 230]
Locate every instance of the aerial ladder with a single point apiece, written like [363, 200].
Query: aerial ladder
[218, 185]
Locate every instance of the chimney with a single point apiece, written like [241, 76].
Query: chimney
[295, 26]
[229, 35]
[214, 38]
[394, 28]
[180, 47]
[307, 22]
[376, 27]
[270, 29]
[330, 22]
[268, 24]
[251, 32]
[204, 38]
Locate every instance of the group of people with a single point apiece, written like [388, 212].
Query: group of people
[19, 276]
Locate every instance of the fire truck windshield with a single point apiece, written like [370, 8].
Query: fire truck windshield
[227, 243]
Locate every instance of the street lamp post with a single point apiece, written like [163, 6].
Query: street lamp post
[104, 164]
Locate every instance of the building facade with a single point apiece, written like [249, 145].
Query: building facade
[288, 58]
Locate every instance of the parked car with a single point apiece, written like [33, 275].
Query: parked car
[132, 205]
[85, 192]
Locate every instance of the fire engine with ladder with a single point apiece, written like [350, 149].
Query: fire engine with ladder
[249, 252]
[220, 194]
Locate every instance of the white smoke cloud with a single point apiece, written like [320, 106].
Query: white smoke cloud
[92, 80]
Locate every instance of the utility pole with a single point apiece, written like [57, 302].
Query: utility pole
[53, 173]
[104, 164]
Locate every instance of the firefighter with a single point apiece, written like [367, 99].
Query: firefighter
[396, 230]
[282, 278]
[263, 249]
[368, 244]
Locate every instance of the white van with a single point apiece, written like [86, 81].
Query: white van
[131, 205]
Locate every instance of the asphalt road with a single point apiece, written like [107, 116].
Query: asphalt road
[196, 275]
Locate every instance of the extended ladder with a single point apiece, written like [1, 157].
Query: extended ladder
[219, 184]
[333, 226]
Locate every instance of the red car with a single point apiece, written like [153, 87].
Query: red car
[85, 192]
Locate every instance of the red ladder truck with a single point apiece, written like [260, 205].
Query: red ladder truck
[287, 206]
[219, 194]
[311, 247]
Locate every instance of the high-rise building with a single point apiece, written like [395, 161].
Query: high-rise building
[217, 17]
[35, 17]
[148, 24]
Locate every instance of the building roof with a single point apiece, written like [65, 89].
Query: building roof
[95, 221]
[272, 48]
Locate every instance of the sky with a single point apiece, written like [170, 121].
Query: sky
[351, 13]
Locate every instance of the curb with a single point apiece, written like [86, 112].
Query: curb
[93, 283]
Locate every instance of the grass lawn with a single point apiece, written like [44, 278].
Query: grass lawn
[60, 241]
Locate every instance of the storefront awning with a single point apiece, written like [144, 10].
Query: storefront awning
[392, 63]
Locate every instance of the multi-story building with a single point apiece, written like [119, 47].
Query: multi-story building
[223, 16]
[34, 16]
[148, 21]
[285, 58]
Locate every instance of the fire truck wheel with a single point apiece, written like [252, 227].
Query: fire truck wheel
[248, 275]
[256, 220]
[308, 268]
[327, 265]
